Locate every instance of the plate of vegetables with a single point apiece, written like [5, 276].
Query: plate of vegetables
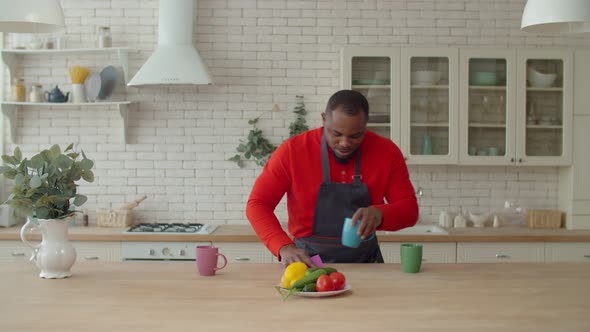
[312, 282]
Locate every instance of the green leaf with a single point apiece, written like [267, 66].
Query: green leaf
[35, 181]
[42, 213]
[88, 176]
[79, 200]
[70, 147]
[55, 151]
[19, 179]
[10, 160]
[37, 162]
[30, 193]
[18, 154]
[86, 164]
[4, 169]
[63, 161]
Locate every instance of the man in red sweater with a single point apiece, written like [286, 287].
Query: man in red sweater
[339, 170]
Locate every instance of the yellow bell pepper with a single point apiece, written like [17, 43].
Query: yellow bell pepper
[293, 272]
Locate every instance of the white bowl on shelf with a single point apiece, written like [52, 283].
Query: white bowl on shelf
[423, 77]
[540, 80]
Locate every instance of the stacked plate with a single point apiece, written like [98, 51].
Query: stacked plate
[100, 86]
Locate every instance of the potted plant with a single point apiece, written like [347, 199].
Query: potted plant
[45, 191]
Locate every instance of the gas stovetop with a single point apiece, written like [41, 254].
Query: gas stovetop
[174, 228]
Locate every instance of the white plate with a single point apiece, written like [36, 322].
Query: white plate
[92, 86]
[346, 288]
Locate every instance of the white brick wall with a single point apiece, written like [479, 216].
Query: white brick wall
[260, 52]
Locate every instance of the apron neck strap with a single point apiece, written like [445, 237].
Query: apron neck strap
[326, 164]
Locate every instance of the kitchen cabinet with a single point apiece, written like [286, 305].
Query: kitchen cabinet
[375, 72]
[567, 252]
[468, 106]
[515, 107]
[11, 251]
[412, 96]
[236, 252]
[14, 58]
[504, 252]
[432, 252]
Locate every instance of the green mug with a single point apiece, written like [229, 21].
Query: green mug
[411, 257]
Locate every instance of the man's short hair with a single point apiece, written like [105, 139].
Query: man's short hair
[352, 102]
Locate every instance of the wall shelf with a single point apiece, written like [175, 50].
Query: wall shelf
[10, 111]
[10, 56]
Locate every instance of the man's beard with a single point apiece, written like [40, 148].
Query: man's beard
[340, 160]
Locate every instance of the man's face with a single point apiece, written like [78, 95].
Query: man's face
[344, 133]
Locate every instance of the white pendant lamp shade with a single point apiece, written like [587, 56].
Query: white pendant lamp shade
[556, 16]
[31, 16]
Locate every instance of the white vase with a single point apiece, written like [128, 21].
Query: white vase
[78, 93]
[55, 255]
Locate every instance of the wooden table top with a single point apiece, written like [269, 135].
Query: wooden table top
[171, 296]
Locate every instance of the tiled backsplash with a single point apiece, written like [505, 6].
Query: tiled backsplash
[260, 53]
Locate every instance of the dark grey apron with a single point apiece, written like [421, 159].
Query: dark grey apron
[336, 201]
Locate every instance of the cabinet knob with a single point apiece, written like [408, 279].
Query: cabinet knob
[91, 258]
[511, 160]
[520, 160]
[242, 259]
[17, 254]
[405, 158]
[502, 256]
[152, 252]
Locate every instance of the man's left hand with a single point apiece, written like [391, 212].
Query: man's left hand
[370, 218]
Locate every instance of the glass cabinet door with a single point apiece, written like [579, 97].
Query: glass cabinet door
[545, 111]
[429, 118]
[487, 115]
[374, 73]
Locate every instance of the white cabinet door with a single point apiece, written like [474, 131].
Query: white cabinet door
[433, 252]
[567, 252]
[97, 251]
[375, 73]
[500, 252]
[487, 107]
[544, 107]
[429, 110]
[11, 251]
[245, 252]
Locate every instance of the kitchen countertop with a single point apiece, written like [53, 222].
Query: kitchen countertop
[244, 233]
[170, 296]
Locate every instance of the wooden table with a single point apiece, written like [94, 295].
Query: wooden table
[170, 296]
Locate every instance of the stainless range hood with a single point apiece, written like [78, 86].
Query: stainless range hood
[175, 60]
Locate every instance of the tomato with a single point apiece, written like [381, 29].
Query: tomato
[338, 280]
[324, 284]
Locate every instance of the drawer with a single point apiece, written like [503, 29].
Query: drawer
[432, 252]
[11, 251]
[497, 252]
[245, 252]
[567, 252]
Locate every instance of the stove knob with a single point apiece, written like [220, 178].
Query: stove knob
[182, 252]
[152, 252]
[166, 252]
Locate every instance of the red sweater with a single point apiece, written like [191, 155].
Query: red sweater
[295, 168]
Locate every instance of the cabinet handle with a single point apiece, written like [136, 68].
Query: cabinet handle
[91, 258]
[17, 254]
[586, 256]
[242, 259]
[502, 256]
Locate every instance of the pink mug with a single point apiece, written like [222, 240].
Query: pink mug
[207, 259]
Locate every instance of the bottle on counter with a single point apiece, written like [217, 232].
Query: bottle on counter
[104, 38]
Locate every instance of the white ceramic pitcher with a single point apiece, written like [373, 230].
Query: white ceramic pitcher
[55, 255]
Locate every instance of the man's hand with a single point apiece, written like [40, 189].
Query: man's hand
[370, 218]
[290, 254]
